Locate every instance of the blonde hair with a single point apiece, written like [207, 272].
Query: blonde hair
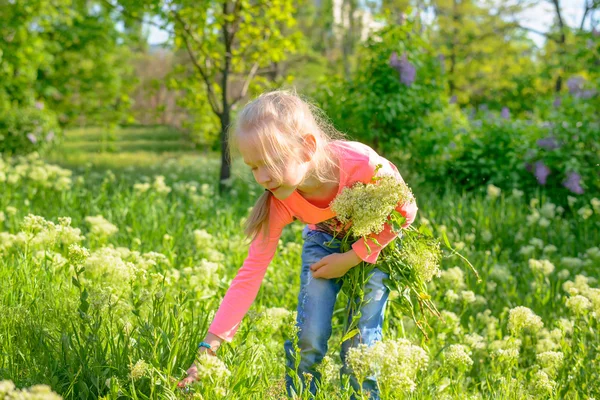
[278, 122]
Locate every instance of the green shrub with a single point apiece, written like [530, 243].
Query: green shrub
[23, 130]
[569, 151]
[398, 81]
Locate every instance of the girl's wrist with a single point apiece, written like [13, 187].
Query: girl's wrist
[353, 257]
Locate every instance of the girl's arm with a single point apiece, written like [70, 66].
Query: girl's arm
[245, 285]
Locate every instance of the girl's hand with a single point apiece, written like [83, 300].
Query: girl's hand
[192, 372]
[335, 265]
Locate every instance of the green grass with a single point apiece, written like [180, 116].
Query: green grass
[74, 329]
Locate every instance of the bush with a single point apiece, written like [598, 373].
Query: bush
[23, 130]
[398, 81]
[569, 150]
[494, 152]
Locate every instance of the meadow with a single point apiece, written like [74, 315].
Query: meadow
[115, 255]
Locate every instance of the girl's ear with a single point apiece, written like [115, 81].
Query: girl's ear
[310, 147]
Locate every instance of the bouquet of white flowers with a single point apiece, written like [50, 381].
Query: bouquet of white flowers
[411, 260]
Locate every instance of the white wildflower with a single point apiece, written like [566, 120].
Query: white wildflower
[578, 304]
[544, 267]
[522, 319]
[457, 356]
[493, 191]
[367, 206]
[139, 370]
[100, 227]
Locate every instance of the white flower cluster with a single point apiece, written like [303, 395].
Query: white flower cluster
[40, 234]
[583, 297]
[211, 367]
[8, 391]
[139, 370]
[543, 215]
[424, 259]
[395, 363]
[273, 318]
[458, 356]
[100, 227]
[550, 361]
[31, 169]
[453, 278]
[203, 239]
[368, 206]
[522, 319]
[493, 191]
[541, 385]
[543, 267]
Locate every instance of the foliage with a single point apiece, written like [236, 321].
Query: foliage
[68, 55]
[23, 130]
[128, 325]
[397, 83]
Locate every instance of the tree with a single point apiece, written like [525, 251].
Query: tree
[228, 42]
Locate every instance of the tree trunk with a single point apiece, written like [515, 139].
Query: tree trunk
[561, 41]
[225, 156]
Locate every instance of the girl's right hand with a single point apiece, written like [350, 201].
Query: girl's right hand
[192, 371]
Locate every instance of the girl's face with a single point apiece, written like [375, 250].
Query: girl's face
[292, 171]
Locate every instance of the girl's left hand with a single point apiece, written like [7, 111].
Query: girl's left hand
[335, 265]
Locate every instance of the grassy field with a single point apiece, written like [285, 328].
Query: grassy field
[113, 264]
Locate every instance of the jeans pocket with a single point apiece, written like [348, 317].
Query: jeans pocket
[308, 233]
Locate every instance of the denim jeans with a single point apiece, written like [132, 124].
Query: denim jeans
[316, 301]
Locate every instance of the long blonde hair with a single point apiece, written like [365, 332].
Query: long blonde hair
[278, 122]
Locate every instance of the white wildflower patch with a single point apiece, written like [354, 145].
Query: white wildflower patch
[203, 239]
[9, 391]
[367, 206]
[522, 319]
[211, 368]
[453, 278]
[578, 304]
[541, 384]
[100, 227]
[493, 192]
[543, 267]
[139, 370]
[457, 356]
[395, 363]
[550, 361]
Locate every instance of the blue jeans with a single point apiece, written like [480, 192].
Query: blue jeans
[315, 309]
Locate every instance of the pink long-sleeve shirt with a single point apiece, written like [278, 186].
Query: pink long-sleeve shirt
[357, 164]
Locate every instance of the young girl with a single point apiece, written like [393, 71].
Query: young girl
[303, 163]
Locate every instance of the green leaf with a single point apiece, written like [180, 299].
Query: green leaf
[350, 334]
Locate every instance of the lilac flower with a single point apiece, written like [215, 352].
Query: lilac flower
[573, 183]
[575, 84]
[39, 105]
[483, 107]
[541, 172]
[406, 70]
[394, 61]
[505, 113]
[586, 94]
[548, 143]
[557, 102]
[442, 58]
[453, 99]
[32, 138]
[50, 136]
[589, 43]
